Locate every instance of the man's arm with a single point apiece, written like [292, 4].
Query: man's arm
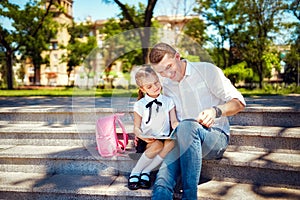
[232, 107]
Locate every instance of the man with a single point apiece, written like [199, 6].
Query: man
[203, 98]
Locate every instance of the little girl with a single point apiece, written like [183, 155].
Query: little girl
[153, 114]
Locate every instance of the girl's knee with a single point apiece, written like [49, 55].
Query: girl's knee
[154, 148]
[168, 146]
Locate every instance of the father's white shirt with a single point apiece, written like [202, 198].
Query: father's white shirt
[203, 86]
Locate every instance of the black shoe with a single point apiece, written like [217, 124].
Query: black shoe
[133, 185]
[146, 184]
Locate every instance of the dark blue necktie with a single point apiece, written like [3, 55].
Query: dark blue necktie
[149, 105]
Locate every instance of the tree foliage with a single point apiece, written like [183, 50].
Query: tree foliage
[122, 40]
[248, 27]
[239, 72]
[292, 60]
[31, 29]
[195, 29]
[79, 47]
[139, 22]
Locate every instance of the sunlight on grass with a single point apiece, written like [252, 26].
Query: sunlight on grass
[69, 92]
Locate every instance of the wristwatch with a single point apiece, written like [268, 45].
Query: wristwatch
[218, 111]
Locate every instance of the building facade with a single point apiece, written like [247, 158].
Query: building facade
[55, 73]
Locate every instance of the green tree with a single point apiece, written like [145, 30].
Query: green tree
[292, 59]
[80, 45]
[224, 17]
[294, 7]
[195, 29]
[116, 46]
[139, 23]
[238, 72]
[248, 26]
[26, 26]
[122, 40]
[2, 68]
[35, 45]
[263, 19]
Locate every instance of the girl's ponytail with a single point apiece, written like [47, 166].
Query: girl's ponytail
[140, 94]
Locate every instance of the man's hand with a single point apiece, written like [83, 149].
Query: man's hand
[207, 117]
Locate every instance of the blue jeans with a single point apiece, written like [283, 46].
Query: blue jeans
[194, 143]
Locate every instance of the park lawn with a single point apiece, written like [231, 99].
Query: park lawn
[69, 92]
[269, 92]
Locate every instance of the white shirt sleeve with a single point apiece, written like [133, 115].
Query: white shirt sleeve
[220, 85]
[138, 108]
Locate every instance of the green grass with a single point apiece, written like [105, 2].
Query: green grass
[69, 92]
[270, 91]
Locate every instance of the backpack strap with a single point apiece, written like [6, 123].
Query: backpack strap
[125, 135]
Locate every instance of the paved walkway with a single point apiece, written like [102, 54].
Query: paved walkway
[292, 101]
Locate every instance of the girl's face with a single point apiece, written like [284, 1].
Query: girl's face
[151, 86]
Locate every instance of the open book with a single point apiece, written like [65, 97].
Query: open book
[162, 137]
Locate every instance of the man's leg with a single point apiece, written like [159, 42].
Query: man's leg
[194, 141]
[166, 177]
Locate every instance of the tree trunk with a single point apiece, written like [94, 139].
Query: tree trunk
[145, 40]
[9, 67]
[145, 33]
[37, 74]
[260, 74]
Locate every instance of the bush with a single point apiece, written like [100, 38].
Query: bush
[239, 72]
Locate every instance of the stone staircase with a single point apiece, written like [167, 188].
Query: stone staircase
[49, 152]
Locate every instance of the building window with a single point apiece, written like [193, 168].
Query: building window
[55, 56]
[55, 68]
[53, 46]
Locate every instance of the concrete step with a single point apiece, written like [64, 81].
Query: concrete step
[56, 142]
[18, 185]
[43, 133]
[267, 116]
[251, 116]
[257, 166]
[51, 134]
[268, 137]
[61, 160]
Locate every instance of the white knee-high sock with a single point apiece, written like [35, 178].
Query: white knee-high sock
[155, 162]
[141, 164]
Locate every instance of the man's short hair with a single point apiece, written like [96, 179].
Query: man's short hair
[159, 51]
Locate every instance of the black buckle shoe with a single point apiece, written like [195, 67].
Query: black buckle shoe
[145, 184]
[134, 185]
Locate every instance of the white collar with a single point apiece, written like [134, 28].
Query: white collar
[148, 98]
[187, 68]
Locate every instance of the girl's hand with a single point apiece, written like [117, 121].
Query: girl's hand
[136, 139]
[149, 140]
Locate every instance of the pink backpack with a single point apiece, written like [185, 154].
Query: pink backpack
[107, 140]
